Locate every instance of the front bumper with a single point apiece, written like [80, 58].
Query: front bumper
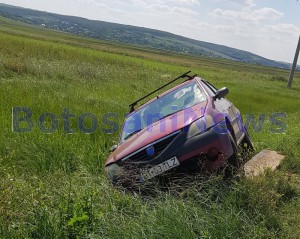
[211, 148]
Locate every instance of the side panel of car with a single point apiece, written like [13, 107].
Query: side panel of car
[232, 113]
[236, 121]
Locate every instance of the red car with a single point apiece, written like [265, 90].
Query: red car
[189, 124]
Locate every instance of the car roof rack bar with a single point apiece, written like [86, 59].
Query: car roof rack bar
[182, 76]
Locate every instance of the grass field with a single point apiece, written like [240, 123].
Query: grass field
[53, 185]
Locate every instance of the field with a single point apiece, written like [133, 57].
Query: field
[53, 185]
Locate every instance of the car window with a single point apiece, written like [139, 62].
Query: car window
[176, 100]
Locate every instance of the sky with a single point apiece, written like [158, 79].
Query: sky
[269, 28]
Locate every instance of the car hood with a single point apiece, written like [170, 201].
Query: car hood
[157, 130]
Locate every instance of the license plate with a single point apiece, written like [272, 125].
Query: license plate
[160, 168]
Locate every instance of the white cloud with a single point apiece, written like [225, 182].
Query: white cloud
[248, 15]
[183, 11]
[173, 10]
[187, 2]
[284, 28]
[249, 3]
[244, 2]
[160, 7]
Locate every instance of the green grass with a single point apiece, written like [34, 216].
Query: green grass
[53, 185]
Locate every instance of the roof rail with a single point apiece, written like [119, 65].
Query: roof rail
[185, 75]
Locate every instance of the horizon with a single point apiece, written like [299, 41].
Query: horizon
[278, 43]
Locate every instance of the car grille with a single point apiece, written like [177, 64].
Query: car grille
[159, 146]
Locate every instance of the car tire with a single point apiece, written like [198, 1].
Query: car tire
[247, 142]
[233, 159]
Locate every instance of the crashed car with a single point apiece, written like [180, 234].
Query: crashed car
[192, 123]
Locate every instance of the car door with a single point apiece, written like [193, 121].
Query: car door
[225, 106]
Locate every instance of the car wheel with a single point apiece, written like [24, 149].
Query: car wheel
[247, 142]
[233, 159]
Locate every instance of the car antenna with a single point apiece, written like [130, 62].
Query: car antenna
[182, 76]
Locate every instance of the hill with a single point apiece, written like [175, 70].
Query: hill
[133, 35]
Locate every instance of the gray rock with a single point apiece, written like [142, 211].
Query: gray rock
[266, 159]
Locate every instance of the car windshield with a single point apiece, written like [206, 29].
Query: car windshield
[177, 100]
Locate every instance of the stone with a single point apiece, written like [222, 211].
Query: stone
[266, 159]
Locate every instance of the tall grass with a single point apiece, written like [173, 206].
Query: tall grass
[53, 186]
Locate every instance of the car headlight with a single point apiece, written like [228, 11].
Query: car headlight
[113, 171]
[200, 126]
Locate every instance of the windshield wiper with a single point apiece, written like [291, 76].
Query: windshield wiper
[167, 115]
[131, 134]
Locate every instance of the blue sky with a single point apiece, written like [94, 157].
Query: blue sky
[268, 28]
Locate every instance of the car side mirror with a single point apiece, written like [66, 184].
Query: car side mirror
[113, 148]
[221, 93]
